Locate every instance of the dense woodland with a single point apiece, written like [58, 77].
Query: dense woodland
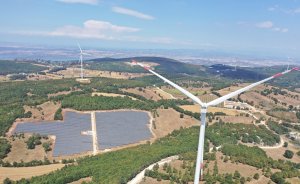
[12, 67]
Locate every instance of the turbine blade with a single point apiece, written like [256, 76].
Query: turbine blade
[185, 92]
[230, 95]
[79, 47]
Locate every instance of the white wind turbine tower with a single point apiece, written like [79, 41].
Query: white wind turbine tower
[81, 62]
[203, 109]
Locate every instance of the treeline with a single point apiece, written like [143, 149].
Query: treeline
[5, 147]
[26, 164]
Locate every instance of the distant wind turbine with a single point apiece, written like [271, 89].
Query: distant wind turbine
[81, 61]
[204, 106]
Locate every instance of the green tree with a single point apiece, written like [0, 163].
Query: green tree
[288, 154]
[256, 176]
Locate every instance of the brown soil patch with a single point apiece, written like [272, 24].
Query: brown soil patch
[75, 72]
[232, 88]
[59, 93]
[196, 108]
[293, 180]
[259, 100]
[228, 167]
[148, 180]
[278, 153]
[163, 94]
[287, 99]
[20, 152]
[27, 172]
[290, 116]
[148, 93]
[3, 78]
[237, 119]
[169, 120]
[44, 111]
[88, 179]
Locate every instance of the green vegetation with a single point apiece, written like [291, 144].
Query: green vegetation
[9, 67]
[253, 156]
[220, 133]
[14, 95]
[123, 165]
[87, 102]
[288, 154]
[279, 129]
[47, 146]
[33, 140]
[58, 114]
[4, 148]
[298, 115]
[26, 164]
[116, 67]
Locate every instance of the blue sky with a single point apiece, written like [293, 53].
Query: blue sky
[268, 26]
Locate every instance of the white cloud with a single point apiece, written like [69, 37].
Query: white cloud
[91, 29]
[91, 2]
[133, 13]
[270, 25]
[265, 24]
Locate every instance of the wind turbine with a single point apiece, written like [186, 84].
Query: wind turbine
[203, 110]
[81, 63]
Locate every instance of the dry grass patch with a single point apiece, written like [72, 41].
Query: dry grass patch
[169, 120]
[238, 119]
[88, 179]
[196, 108]
[259, 100]
[44, 111]
[75, 72]
[148, 93]
[19, 151]
[163, 94]
[278, 153]
[27, 172]
[232, 88]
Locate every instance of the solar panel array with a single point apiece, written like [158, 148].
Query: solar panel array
[113, 129]
[121, 128]
[68, 133]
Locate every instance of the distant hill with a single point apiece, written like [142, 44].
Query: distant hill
[12, 67]
[235, 73]
[166, 65]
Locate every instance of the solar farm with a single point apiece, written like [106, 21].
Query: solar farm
[74, 136]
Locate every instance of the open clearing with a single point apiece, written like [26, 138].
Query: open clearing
[44, 111]
[278, 153]
[148, 93]
[196, 108]
[20, 152]
[75, 72]
[111, 95]
[27, 172]
[170, 120]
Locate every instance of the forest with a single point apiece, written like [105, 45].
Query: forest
[13, 67]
